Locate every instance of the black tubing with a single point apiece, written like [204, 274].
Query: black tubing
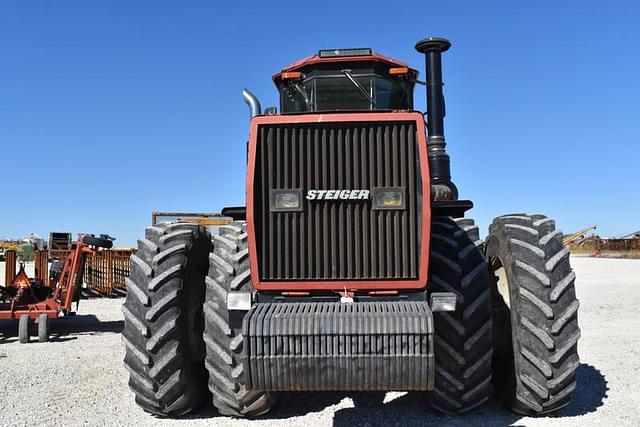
[98, 242]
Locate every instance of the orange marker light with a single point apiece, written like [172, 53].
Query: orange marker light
[399, 70]
[291, 75]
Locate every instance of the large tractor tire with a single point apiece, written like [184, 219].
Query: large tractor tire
[463, 346]
[229, 271]
[535, 314]
[163, 320]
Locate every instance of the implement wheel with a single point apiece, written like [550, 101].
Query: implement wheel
[163, 319]
[43, 328]
[535, 313]
[23, 329]
[229, 272]
[463, 347]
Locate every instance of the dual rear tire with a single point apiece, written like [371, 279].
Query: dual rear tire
[163, 319]
[174, 347]
[535, 314]
[463, 346]
[229, 272]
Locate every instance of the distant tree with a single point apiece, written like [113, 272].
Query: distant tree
[25, 253]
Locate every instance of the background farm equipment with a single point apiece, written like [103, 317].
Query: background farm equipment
[581, 244]
[27, 300]
[60, 244]
[208, 219]
[8, 246]
[577, 237]
[595, 246]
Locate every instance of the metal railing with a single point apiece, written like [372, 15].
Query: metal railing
[104, 273]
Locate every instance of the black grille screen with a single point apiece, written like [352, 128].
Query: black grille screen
[337, 239]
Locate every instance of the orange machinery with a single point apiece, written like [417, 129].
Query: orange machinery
[27, 300]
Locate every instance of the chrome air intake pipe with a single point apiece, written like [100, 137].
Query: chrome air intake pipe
[252, 102]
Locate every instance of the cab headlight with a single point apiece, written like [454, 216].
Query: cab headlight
[388, 198]
[286, 200]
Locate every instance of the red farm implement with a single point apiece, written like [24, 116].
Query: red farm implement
[30, 300]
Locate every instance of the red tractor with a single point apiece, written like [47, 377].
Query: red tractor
[352, 266]
[27, 300]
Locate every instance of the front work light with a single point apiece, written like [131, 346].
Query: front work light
[388, 198]
[286, 200]
[443, 301]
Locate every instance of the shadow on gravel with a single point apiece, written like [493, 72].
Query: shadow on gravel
[411, 409]
[288, 405]
[64, 328]
[591, 390]
[7, 330]
[297, 404]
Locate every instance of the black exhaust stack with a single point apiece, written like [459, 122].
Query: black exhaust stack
[441, 186]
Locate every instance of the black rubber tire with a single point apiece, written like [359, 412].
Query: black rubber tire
[463, 346]
[163, 319]
[98, 242]
[229, 270]
[44, 329]
[536, 352]
[23, 329]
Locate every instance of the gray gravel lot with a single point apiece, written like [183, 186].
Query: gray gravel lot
[78, 378]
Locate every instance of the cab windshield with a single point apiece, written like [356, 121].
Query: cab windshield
[346, 89]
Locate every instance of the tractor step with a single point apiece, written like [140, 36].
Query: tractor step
[337, 346]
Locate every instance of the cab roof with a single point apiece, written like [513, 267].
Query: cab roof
[343, 55]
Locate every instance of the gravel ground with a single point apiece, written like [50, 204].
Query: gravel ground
[78, 378]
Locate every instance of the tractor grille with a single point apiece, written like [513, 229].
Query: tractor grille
[337, 239]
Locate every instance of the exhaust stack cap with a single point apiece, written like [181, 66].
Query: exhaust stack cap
[438, 44]
[442, 188]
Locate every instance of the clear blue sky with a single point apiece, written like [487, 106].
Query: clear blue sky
[112, 109]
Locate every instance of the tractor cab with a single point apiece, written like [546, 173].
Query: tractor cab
[346, 80]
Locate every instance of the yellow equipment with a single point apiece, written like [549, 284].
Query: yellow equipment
[10, 246]
[203, 218]
[577, 235]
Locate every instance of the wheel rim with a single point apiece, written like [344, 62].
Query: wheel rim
[502, 283]
[503, 346]
[496, 267]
